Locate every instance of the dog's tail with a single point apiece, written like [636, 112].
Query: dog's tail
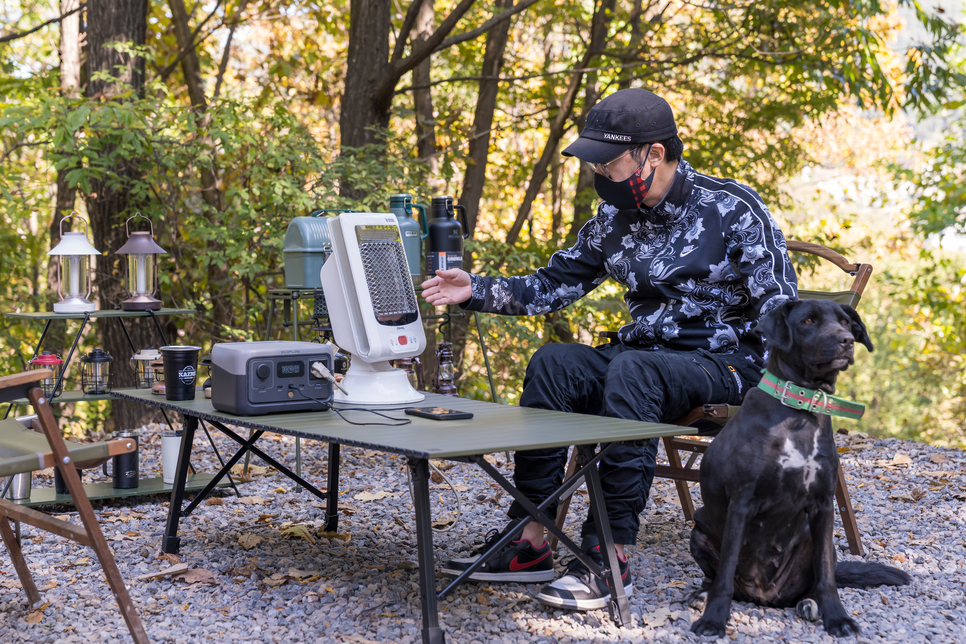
[862, 574]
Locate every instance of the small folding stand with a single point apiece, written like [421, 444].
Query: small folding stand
[23, 450]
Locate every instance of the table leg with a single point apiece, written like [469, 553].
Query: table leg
[171, 542]
[271, 318]
[332, 489]
[432, 633]
[619, 608]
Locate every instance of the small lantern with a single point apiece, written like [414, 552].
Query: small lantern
[55, 363]
[443, 383]
[142, 268]
[96, 376]
[141, 363]
[74, 270]
[157, 366]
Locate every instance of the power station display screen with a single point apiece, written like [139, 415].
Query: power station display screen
[294, 369]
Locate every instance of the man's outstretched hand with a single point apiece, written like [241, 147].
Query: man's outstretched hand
[448, 287]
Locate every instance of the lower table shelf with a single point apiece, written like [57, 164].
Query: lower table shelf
[106, 490]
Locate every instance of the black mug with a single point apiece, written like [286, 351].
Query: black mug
[180, 371]
[60, 485]
[125, 466]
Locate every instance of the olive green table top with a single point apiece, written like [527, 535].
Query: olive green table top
[111, 313]
[493, 428]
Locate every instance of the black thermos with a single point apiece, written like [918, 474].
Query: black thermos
[444, 248]
[126, 465]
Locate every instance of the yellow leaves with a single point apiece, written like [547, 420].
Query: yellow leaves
[300, 531]
[249, 541]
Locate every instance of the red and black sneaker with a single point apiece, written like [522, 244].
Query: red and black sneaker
[579, 589]
[519, 561]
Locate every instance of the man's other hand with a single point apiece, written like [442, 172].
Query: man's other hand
[448, 287]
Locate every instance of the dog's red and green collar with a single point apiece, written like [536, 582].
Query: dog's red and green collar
[813, 400]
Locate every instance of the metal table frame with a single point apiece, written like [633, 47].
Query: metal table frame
[606, 432]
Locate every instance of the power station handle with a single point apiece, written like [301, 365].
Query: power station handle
[466, 229]
[423, 219]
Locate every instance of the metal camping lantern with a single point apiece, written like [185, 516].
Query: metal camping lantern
[74, 269]
[96, 372]
[445, 374]
[142, 268]
[55, 363]
[157, 366]
[144, 377]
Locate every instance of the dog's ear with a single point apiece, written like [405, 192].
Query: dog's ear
[774, 326]
[858, 327]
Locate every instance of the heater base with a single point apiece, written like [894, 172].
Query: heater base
[141, 303]
[376, 384]
[74, 305]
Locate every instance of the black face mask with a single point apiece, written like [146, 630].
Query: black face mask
[628, 194]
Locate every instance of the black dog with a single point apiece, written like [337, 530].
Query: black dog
[764, 534]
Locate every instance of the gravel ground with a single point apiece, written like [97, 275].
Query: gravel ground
[260, 569]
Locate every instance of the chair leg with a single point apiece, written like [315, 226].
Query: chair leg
[19, 563]
[684, 493]
[564, 505]
[83, 506]
[848, 515]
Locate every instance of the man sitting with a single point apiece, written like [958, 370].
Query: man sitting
[702, 260]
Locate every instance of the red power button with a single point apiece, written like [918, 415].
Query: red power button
[403, 340]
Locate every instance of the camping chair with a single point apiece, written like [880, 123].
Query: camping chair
[709, 419]
[23, 450]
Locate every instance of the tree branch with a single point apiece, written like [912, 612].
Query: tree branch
[382, 96]
[407, 26]
[21, 34]
[486, 26]
[192, 43]
[223, 66]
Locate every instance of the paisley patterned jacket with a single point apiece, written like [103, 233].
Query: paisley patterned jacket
[700, 268]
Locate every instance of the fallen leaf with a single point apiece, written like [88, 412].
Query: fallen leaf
[436, 477]
[321, 533]
[280, 490]
[901, 558]
[304, 575]
[215, 500]
[276, 580]
[35, 617]
[843, 449]
[265, 518]
[252, 500]
[10, 583]
[884, 599]
[901, 459]
[169, 557]
[51, 584]
[83, 561]
[482, 599]
[938, 458]
[370, 496]
[661, 616]
[249, 541]
[902, 497]
[917, 494]
[173, 570]
[300, 531]
[196, 576]
[406, 565]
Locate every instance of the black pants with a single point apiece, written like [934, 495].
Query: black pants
[619, 381]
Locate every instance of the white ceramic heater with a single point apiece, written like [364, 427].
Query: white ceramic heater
[372, 307]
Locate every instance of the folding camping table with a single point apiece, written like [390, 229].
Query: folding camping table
[494, 428]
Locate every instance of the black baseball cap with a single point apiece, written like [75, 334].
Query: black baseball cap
[623, 119]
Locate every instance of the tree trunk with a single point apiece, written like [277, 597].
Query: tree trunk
[599, 29]
[219, 279]
[367, 59]
[116, 21]
[423, 95]
[478, 155]
[584, 195]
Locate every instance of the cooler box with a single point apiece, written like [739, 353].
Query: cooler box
[307, 244]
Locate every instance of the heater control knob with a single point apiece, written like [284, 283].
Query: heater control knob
[263, 371]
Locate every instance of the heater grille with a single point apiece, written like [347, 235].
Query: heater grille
[387, 274]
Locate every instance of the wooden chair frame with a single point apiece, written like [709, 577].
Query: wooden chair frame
[89, 533]
[683, 472]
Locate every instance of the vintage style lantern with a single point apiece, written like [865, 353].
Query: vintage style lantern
[157, 366]
[443, 383]
[142, 268]
[144, 377]
[55, 363]
[96, 372]
[74, 270]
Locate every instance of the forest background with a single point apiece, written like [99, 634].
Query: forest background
[222, 120]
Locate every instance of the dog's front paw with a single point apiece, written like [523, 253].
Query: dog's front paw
[807, 609]
[698, 600]
[842, 627]
[708, 627]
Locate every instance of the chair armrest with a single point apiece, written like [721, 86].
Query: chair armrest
[16, 385]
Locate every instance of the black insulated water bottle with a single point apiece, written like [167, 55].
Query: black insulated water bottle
[445, 243]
